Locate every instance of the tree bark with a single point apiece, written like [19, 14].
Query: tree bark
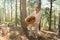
[40, 8]
[54, 20]
[11, 10]
[40, 4]
[50, 14]
[59, 24]
[23, 16]
[16, 14]
[4, 12]
[0, 16]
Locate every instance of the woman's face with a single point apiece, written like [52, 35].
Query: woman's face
[37, 9]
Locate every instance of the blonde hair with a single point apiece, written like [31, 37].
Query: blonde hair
[37, 7]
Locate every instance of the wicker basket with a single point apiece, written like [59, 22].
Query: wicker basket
[30, 20]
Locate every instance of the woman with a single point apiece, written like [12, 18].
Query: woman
[34, 28]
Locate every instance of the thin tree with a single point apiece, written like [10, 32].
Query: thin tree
[50, 14]
[51, 2]
[0, 16]
[4, 11]
[8, 14]
[54, 20]
[59, 24]
[40, 9]
[11, 10]
[39, 4]
[16, 14]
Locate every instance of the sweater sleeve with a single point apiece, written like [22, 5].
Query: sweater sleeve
[38, 18]
[29, 16]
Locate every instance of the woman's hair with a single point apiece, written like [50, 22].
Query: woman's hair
[37, 7]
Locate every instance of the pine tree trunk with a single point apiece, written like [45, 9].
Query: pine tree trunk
[40, 20]
[54, 21]
[59, 24]
[4, 12]
[23, 16]
[40, 4]
[11, 10]
[0, 16]
[16, 14]
[50, 14]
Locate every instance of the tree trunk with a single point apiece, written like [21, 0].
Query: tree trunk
[29, 9]
[54, 21]
[40, 4]
[40, 20]
[16, 14]
[23, 16]
[0, 16]
[4, 12]
[50, 14]
[59, 24]
[11, 10]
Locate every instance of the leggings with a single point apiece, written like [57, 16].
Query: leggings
[33, 29]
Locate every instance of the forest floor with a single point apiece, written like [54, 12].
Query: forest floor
[16, 33]
[48, 35]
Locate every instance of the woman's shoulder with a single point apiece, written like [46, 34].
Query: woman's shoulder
[40, 11]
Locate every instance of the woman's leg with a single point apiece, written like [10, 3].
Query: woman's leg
[30, 29]
[36, 30]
